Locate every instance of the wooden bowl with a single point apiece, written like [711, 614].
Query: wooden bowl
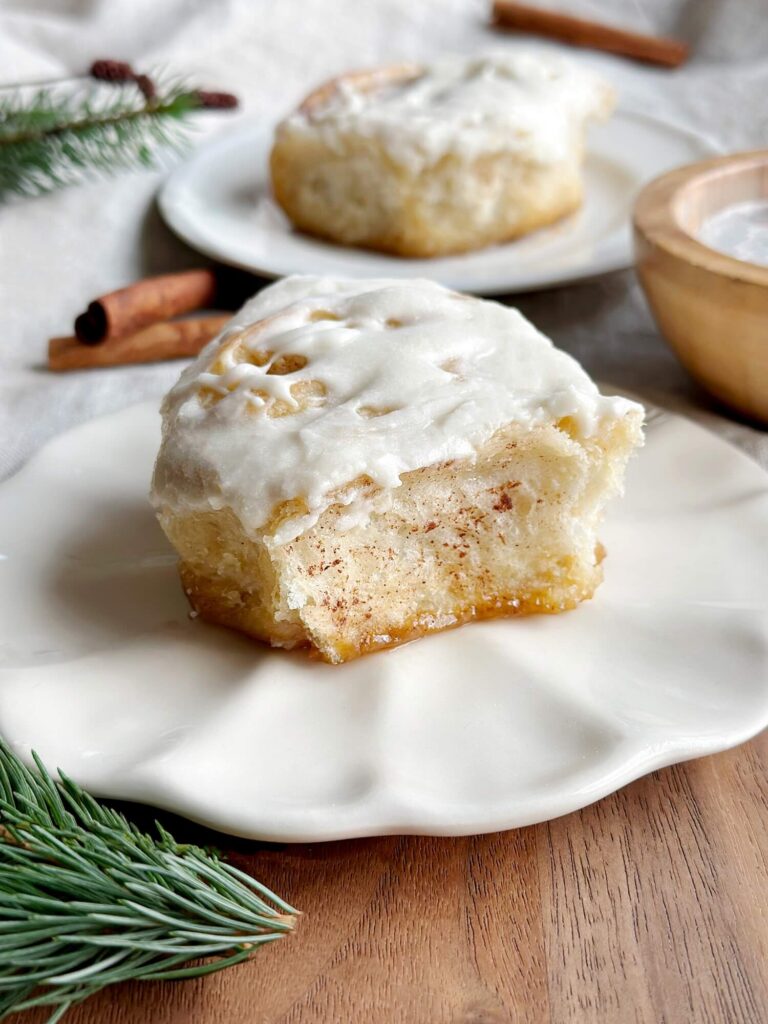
[711, 308]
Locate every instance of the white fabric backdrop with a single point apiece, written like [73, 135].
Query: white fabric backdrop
[58, 252]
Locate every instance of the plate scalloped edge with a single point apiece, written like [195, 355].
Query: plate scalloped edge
[105, 675]
[218, 202]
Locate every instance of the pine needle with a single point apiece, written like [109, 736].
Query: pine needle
[88, 900]
[54, 136]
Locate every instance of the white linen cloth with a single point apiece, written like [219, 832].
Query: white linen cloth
[60, 251]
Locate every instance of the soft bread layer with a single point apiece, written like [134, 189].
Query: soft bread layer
[353, 193]
[511, 532]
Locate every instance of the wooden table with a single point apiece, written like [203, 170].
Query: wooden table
[650, 907]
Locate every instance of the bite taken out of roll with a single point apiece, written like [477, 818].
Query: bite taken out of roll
[356, 463]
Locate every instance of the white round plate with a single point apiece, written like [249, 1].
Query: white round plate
[487, 727]
[219, 202]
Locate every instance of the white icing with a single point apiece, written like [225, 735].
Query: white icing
[452, 369]
[530, 103]
[740, 230]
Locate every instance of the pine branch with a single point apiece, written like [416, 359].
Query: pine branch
[54, 137]
[87, 900]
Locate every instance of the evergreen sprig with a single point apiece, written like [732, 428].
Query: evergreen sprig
[59, 134]
[88, 900]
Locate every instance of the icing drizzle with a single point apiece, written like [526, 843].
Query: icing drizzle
[534, 103]
[317, 382]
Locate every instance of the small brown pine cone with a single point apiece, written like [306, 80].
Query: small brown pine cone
[146, 85]
[112, 71]
[216, 100]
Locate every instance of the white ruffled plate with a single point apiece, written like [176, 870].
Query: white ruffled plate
[219, 202]
[487, 727]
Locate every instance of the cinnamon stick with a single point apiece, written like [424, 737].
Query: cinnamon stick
[150, 301]
[592, 34]
[176, 340]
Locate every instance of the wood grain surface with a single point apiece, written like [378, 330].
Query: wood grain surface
[650, 907]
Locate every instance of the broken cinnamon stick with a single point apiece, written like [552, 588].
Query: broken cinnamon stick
[150, 301]
[591, 34]
[176, 340]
